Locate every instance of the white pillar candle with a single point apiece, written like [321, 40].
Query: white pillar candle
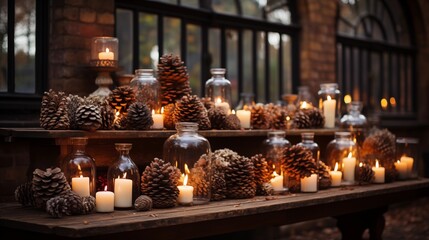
[277, 182]
[107, 55]
[158, 119]
[349, 164]
[186, 193]
[336, 176]
[80, 185]
[123, 193]
[329, 112]
[244, 116]
[309, 184]
[222, 105]
[409, 161]
[378, 173]
[401, 167]
[104, 201]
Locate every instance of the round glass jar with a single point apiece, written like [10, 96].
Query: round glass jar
[310, 184]
[190, 152]
[305, 98]
[218, 89]
[104, 52]
[329, 103]
[146, 88]
[355, 122]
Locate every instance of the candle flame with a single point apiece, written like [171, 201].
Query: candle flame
[350, 155]
[185, 181]
[105, 188]
[275, 174]
[336, 166]
[392, 101]
[287, 118]
[329, 98]
[383, 103]
[162, 110]
[360, 164]
[153, 112]
[347, 99]
[376, 164]
[107, 50]
[218, 100]
[304, 105]
[399, 161]
[187, 169]
[125, 175]
[233, 112]
[81, 176]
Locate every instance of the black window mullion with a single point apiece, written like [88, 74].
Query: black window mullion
[255, 62]
[223, 48]
[344, 70]
[205, 57]
[295, 63]
[361, 75]
[267, 68]
[381, 80]
[160, 34]
[136, 40]
[183, 41]
[390, 76]
[240, 61]
[280, 56]
[11, 46]
[352, 71]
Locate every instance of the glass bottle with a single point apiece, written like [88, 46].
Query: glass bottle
[243, 109]
[218, 89]
[329, 103]
[123, 178]
[343, 152]
[407, 155]
[355, 122]
[146, 88]
[79, 168]
[190, 152]
[305, 98]
[273, 148]
[307, 141]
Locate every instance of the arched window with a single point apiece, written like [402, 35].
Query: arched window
[376, 58]
[253, 39]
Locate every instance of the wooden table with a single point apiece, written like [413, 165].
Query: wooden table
[216, 217]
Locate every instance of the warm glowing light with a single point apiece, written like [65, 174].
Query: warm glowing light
[105, 188]
[153, 112]
[125, 175]
[233, 112]
[392, 101]
[185, 181]
[187, 169]
[350, 155]
[304, 105]
[336, 166]
[107, 50]
[218, 100]
[275, 174]
[287, 118]
[347, 99]
[376, 164]
[360, 164]
[329, 98]
[383, 103]
[162, 110]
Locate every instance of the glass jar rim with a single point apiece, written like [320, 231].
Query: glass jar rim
[328, 85]
[144, 70]
[407, 140]
[343, 134]
[276, 133]
[123, 146]
[218, 70]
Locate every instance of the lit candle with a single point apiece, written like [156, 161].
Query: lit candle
[123, 192]
[104, 201]
[409, 161]
[244, 117]
[329, 112]
[401, 167]
[186, 193]
[349, 164]
[309, 184]
[378, 173]
[277, 182]
[222, 105]
[107, 55]
[80, 185]
[305, 105]
[336, 176]
[158, 119]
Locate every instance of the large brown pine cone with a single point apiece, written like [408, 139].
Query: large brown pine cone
[239, 176]
[190, 109]
[54, 112]
[218, 182]
[276, 115]
[107, 114]
[139, 116]
[301, 120]
[24, 194]
[232, 122]
[121, 98]
[298, 161]
[217, 118]
[68, 203]
[316, 117]
[263, 174]
[88, 117]
[324, 176]
[47, 184]
[381, 145]
[73, 102]
[169, 122]
[199, 178]
[364, 174]
[259, 118]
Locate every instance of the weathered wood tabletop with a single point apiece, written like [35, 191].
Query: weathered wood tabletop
[213, 218]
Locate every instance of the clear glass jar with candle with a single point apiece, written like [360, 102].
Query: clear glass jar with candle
[104, 52]
[407, 153]
[190, 152]
[355, 122]
[146, 88]
[218, 89]
[329, 103]
[307, 141]
[305, 98]
[243, 109]
[344, 152]
[79, 168]
[273, 148]
[123, 178]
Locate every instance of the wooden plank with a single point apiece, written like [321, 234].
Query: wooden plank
[227, 215]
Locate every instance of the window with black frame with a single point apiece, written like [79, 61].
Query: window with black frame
[255, 40]
[376, 57]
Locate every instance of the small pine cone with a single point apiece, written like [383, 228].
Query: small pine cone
[217, 118]
[24, 195]
[139, 117]
[54, 112]
[159, 182]
[301, 120]
[266, 189]
[88, 117]
[239, 176]
[73, 102]
[190, 109]
[121, 122]
[207, 102]
[48, 184]
[259, 119]
[364, 174]
[143, 203]
[88, 204]
[324, 176]
[262, 175]
[298, 161]
[107, 114]
[381, 145]
[68, 203]
[121, 98]
[199, 178]
[96, 100]
[277, 116]
[232, 122]
[317, 119]
[218, 182]
[169, 122]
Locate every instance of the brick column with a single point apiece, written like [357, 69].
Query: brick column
[73, 24]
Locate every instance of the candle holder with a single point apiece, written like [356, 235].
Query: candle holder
[190, 152]
[342, 151]
[218, 89]
[103, 60]
[243, 110]
[79, 168]
[329, 103]
[407, 151]
[305, 98]
[307, 141]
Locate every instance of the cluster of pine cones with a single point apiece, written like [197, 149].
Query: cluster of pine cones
[49, 190]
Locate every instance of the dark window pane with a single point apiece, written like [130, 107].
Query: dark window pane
[148, 44]
[171, 36]
[125, 39]
[287, 64]
[247, 62]
[3, 46]
[252, 8]
[167, 1]
[225, 6]
[232, 61]
[214, 47]
[274, 41]
[260, 44]
[280, 15]
[193, 57]
[189, 3]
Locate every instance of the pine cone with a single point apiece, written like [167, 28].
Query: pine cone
[232, 122]
[107, 114]
[218, 182]
[159, 182]
[73, 102]
[48, 184]
[54, 112]
[121, 98]
[277, 116]
[139, 116]
[301, 120]
[143, 203]
[199, 178]
[88, 117]
[190, 109]
[298, 162]
[381, 145]
[207, 102]
[316, 117]
[324, 176]
[88, 204]
[169, 122]
[24, 194]
[68, 203]
[173, 78]
[259, 119]
[239, 176]
[364, 174]
[121, 122]
[262, 175]
[217, 118]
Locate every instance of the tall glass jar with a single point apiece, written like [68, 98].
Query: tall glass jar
[407, 153]
[146, 88]
[329, 103]
[218, 89]
[190, 152]
[123, 178]
[311, 183]
[243, 109]
[273, 148]
[355, 122]
[305, 98]
[343, 152]
[79, 168]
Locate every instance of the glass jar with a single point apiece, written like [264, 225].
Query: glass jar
[305, 98]
[243, 110]
[123, 178]
[79, 168]
[104, 52]
[289, 101]
[343, 152]
[273, 148]
[310, 184]
[329, 103]
[146, 88]
[355, 122]
[407, 155]
[218, 89]
[190, 152]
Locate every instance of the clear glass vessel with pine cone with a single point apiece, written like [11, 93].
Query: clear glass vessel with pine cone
[146, 88]
[307, 141]
[218, 89]
[190, 152]
[80, 167]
